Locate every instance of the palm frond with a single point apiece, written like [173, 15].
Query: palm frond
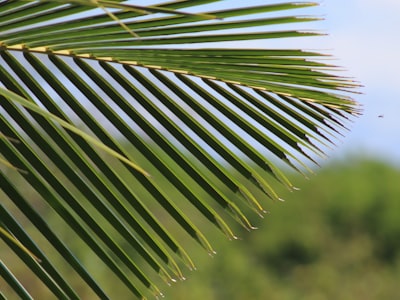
[135, 123]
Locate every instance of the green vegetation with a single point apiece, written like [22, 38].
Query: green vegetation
[336, 238]
[131, 136]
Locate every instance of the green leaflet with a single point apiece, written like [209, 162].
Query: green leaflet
[157, 88]
[31, 106]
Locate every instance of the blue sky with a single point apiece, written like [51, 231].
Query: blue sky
[363, 35]
[365, 38]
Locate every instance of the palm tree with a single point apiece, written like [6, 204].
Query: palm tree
[131, 124]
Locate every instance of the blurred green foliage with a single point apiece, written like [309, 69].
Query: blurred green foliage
[336, 238]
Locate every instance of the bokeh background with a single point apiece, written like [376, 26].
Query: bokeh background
[337, 238]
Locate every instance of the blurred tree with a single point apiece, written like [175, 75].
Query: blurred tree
[134, 123]
[330, 219]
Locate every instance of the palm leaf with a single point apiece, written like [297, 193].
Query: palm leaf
[135, 123]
